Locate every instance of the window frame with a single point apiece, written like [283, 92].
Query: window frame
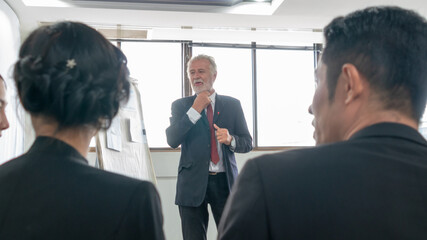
[186, 90]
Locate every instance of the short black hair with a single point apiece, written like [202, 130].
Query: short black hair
[70, 72]
[388, 45]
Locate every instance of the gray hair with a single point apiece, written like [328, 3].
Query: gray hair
[212, 65]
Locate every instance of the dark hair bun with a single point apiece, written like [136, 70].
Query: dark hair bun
[70, 72]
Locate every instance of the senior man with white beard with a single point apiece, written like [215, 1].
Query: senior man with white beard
[207, 167]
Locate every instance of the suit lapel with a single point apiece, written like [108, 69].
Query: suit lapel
[218, 107]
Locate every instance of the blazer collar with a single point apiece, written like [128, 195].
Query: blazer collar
[219, 104]
[54, 147]
[388, 129]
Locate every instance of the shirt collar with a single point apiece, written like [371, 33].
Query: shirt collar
[390, 130]
[213, 97]
[49, 146]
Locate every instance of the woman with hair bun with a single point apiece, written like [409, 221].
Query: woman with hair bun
[72, 81]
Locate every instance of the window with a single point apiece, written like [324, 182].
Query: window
[285, 87]
[234, 77]
[157, 67]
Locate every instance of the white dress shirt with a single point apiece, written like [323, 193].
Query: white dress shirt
[194, 116]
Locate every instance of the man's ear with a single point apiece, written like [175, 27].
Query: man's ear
[354, 82]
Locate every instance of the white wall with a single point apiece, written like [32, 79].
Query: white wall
[11, 143]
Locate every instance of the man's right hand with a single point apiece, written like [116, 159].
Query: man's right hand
[202, 101]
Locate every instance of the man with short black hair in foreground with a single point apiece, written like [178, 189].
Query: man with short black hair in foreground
[367, 178]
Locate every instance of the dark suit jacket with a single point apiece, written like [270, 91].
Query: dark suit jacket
[52, 193]
[373, 186]
[195, 145]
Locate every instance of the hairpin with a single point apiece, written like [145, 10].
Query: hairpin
[71, 63]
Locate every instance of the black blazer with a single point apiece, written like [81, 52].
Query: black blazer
[373, 186]
[52, 193]
[195, 145]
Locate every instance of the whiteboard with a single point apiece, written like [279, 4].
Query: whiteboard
[123, 148]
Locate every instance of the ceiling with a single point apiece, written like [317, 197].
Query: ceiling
[280, 14]
[180, 2]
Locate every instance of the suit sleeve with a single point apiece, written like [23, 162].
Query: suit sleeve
[245, 213]
[241, 135]
[180, 124]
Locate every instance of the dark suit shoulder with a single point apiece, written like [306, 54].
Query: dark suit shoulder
[82, 195]
[81, 176]
[296, 156]
[338, 161]
[339, 151]
[115, 177]
[111, 186]
[12, 164]
[370, 183]
[184, 100]
[228, 98]
[143, 218]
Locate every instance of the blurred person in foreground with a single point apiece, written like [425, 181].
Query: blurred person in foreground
[72, 81]
[367, 176]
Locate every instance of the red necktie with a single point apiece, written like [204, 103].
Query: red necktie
[214, 150]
